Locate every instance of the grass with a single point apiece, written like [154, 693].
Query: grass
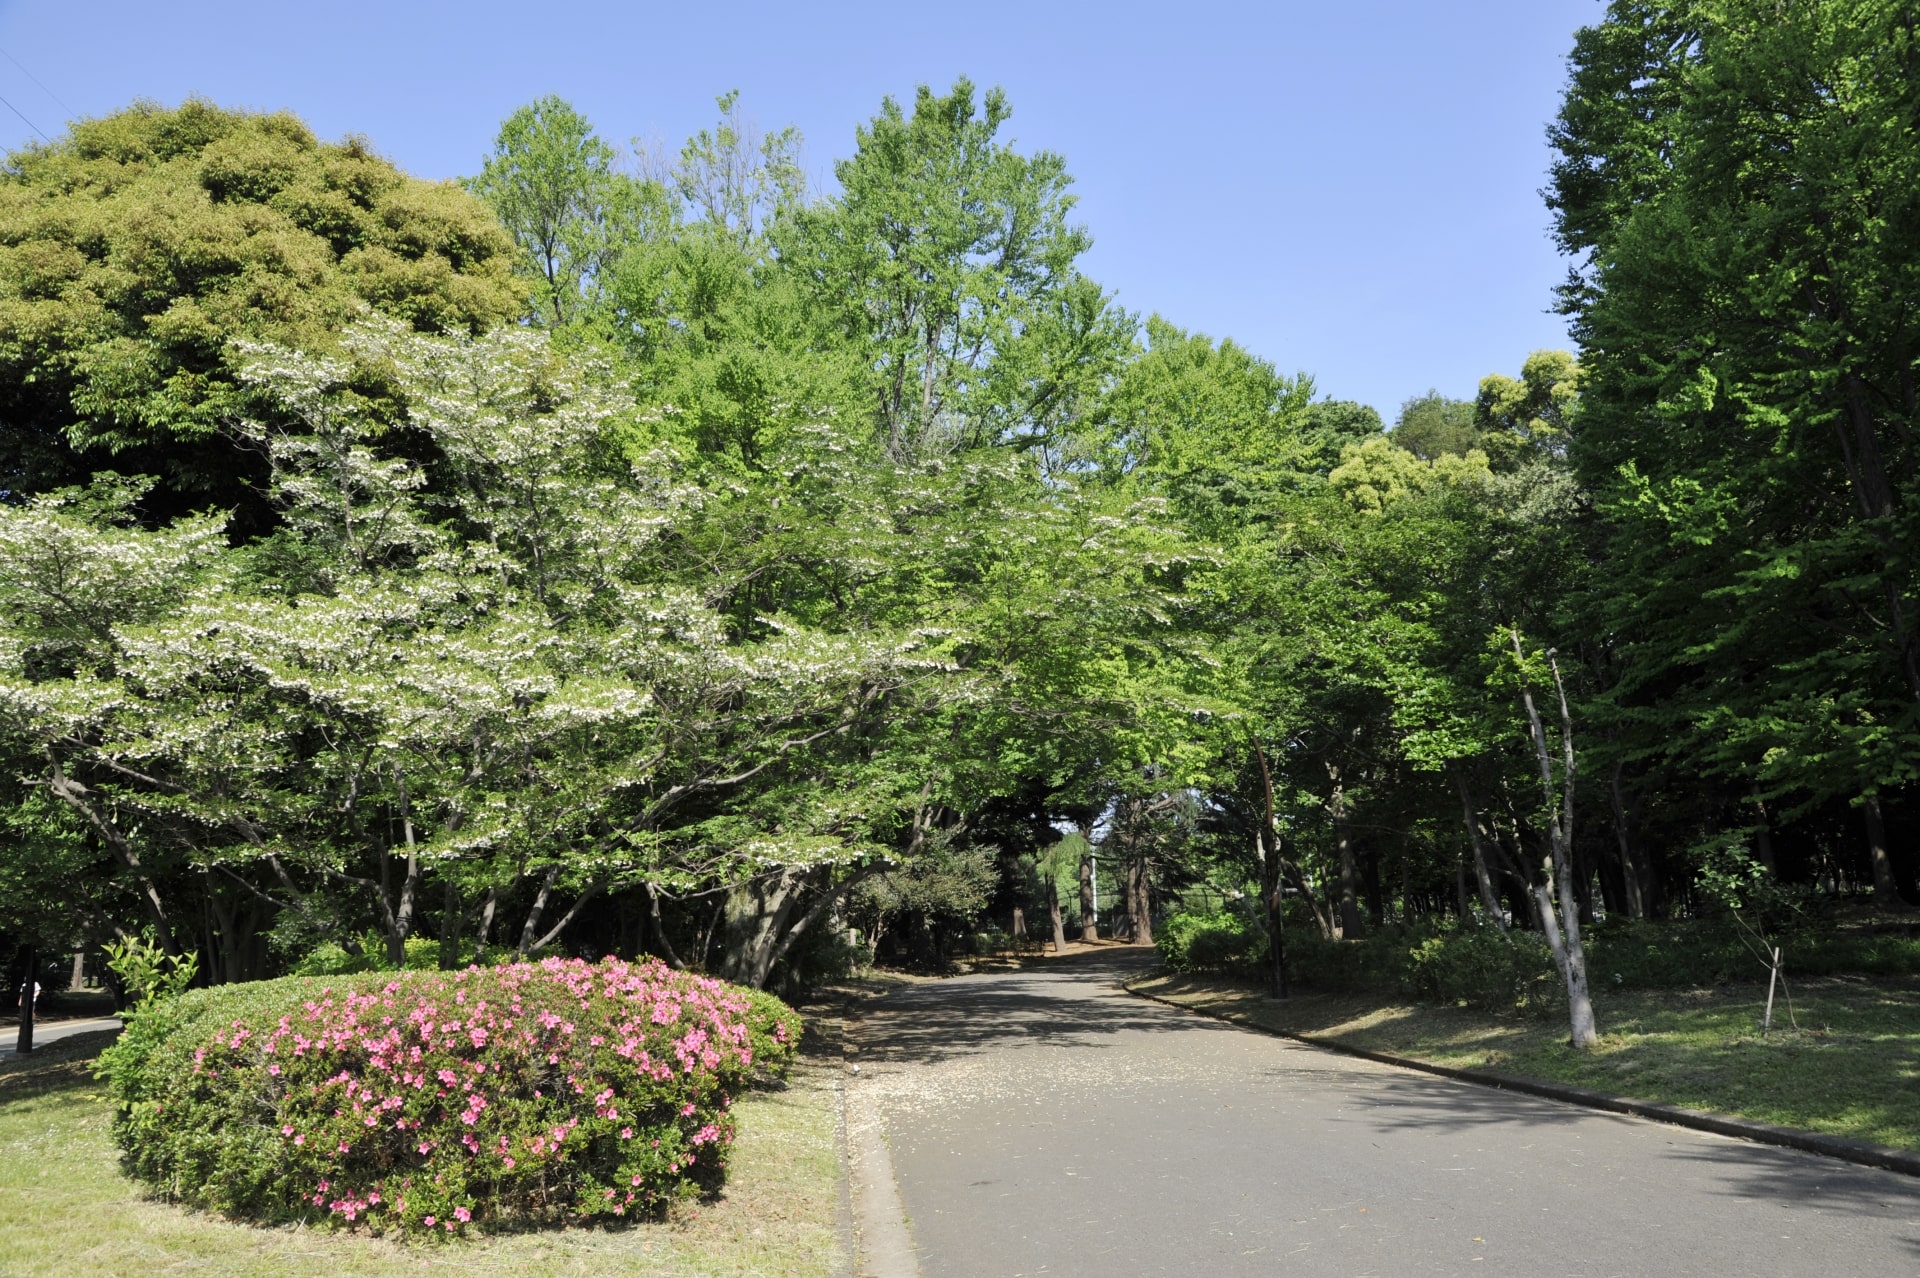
[65, 1208]
[1851, 1068]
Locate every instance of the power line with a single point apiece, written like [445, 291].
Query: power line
[30, 124]
[36, 79]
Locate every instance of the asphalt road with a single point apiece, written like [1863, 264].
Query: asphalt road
[1045, 1122]
[45, 1032]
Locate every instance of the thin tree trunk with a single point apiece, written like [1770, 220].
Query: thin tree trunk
[75, 796]
[1763, 834]
[1885, 891]
[1489, 899]
[531, 928]
[1272, 875]
[486, 925]
[1055, 913]
[1629, 867]
[1350, 927]
[821, 907]
[402, 925]
[450, 920]
[1557, 868]
[658, 925]
[1089, 925]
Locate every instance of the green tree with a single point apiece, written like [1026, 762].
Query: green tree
[1738, 181]
[948, 262]
[134, 247]
[1431, 425]
[553, 184]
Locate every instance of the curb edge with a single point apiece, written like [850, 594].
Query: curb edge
[1905, 1162]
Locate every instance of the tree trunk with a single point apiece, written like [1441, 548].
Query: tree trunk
[401, 919]
[1489, 899]
[450, 921]
[486, 926]
[23, 1044]
[76, 796]
[531, 928]
[658, 925]
[1272, 876]
[1349, 911]
[1140, 901]
[1763, 835]
[1563, 931]
[1886, 892]
[757, 912]
[1055, 913]
[1089, 924]
[1629, 869]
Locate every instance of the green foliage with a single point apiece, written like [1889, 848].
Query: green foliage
[1222, 941]
[1485, 967]
[552, 182]
[138, 245]
[1431, 426]
[948, 263]
[147, 973]
[329, 958]
[773, 1035]
[430, 1101]
[1737, 178]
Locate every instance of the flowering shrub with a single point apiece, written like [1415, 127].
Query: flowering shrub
[411, 1101]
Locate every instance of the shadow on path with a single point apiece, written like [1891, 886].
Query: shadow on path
[1075, 1000]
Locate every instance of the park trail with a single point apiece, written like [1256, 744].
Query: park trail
[1044, 1121]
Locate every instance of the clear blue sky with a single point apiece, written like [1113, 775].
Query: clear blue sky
[1350, 187]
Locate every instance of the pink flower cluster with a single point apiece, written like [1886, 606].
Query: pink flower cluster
[516, 1094]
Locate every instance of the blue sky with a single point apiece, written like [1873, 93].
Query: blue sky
[1350, 188]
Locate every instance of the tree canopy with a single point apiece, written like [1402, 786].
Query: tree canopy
[646, 552]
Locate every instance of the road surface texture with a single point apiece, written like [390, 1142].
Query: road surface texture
[1045, 1122]
[45, 1032]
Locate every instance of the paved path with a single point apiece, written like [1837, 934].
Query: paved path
[45, 1032]
[1044, 1122]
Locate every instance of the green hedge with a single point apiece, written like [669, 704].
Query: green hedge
[1220, 942]
[494, 1097]
[1484, 967]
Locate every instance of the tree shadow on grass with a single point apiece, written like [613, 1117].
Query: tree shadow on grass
[62, 1065]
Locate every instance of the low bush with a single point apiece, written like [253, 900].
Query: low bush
[492, 1097]
[1485, 967]
[773, 1034]
[1375, 962]
[1216, 941]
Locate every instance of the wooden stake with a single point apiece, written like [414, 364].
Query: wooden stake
[1773, 974]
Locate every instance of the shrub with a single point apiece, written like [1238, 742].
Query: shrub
[1485, 967]
[1212, 941]
[496, 1097]
[330, 958]
[773, 1034]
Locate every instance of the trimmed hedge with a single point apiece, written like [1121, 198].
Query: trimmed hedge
[494, 1097]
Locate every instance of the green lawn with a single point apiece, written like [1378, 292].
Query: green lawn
[66, 1209]
[1852, 1068]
